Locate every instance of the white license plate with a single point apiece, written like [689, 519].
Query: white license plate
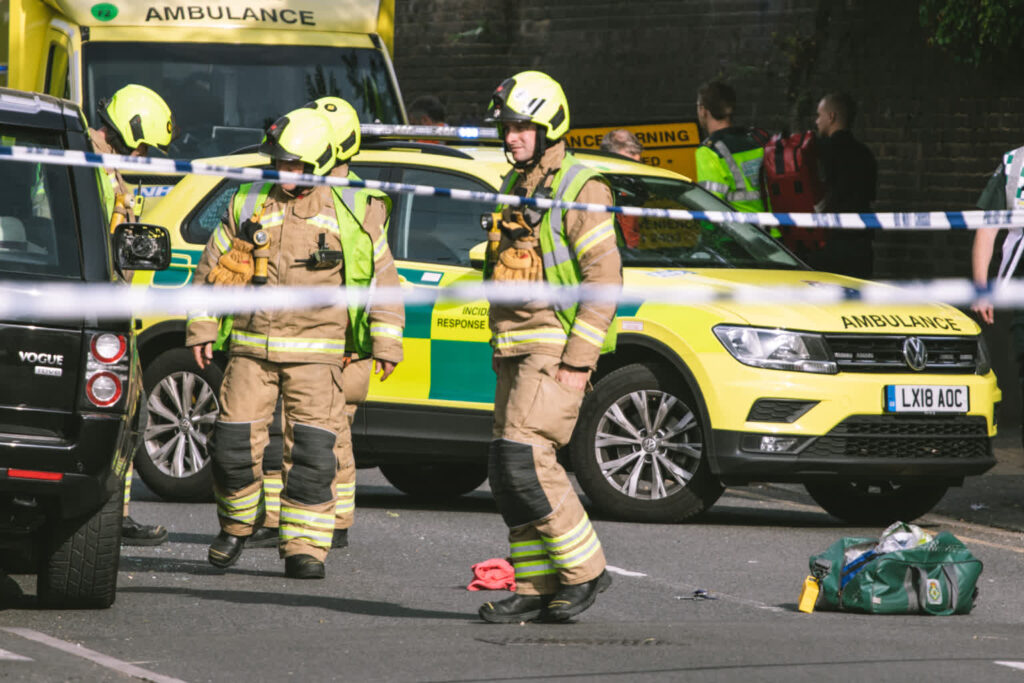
[912, 398]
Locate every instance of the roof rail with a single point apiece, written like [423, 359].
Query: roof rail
[428, 147]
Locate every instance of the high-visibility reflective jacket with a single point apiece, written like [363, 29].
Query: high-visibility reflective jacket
[295, 226]
[1010, 175]
[729, 164]
[576, 247]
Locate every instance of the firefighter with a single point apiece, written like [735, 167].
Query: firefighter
[133, 120]
[377, 343]
[283, 234]
[543, 355]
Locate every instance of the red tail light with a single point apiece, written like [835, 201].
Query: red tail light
[108, 348]
[106, 369]
[104, 389]
[35, 474]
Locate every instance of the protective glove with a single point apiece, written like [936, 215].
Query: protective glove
[519, 263]
[235, 266]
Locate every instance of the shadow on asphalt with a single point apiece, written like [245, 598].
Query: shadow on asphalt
[172, 565]
[381, 497]
[726, 515]
[348, 605]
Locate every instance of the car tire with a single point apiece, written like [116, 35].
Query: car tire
[172, 460]
[631, 409]
[79, 559]
[435, 481]
[876, 503]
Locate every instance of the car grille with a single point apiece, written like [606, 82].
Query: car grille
[884, 353]
[897, 436]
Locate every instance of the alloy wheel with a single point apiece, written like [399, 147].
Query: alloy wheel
[182, 410]
[649, 444]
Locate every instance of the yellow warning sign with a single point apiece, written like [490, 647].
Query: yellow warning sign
[666, 145]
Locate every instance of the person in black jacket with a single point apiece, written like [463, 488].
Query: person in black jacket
[850, 175]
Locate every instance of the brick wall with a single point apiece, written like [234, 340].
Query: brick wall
[936, 127]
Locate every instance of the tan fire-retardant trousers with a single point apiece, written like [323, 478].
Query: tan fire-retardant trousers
[314, 419]
[552, 541]
[355, 382]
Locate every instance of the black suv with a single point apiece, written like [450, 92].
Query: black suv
[69, 388]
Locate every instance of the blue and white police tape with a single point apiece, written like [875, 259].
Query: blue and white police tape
[57, 301]
[925, 220]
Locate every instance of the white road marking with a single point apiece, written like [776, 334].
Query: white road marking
[6, 656]
[623, 572]
[1012, 665]
[93, 656]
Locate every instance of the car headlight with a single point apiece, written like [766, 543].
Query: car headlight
[982, 360]
[777, 349]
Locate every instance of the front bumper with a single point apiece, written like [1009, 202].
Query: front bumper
[890, 447]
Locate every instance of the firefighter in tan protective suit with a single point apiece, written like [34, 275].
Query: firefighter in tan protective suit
[134, 119]
[543, 356]
[386, 323]
[281, 234]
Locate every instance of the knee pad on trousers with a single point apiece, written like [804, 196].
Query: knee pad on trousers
[520, 497]
[232, 455]
[311, 478]
[273, 454]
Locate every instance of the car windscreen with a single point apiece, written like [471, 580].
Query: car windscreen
[661, 242]
[224, 96]
[38, 227]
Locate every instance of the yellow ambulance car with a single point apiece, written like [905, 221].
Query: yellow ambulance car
[876, 409]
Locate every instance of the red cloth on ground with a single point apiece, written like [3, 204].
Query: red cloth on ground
[493, 575]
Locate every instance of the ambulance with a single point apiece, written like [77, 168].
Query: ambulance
[227, 69]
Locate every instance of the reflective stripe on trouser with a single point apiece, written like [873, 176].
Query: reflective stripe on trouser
[128, 487]
[355, 380]
[551, 538]
[314, 415]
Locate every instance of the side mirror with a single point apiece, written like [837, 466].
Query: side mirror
[477, 256]
[140, 246]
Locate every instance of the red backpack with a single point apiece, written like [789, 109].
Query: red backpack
[793, 185]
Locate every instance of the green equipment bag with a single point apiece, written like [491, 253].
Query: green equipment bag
[938, 577]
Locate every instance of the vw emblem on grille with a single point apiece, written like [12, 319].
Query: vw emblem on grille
[915, 353]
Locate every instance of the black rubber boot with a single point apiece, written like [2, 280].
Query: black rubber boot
[303, 567]
[133, 533]
[572, 600]
[340, 538]
[264, 537]
[514, 610]
[225, 550]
